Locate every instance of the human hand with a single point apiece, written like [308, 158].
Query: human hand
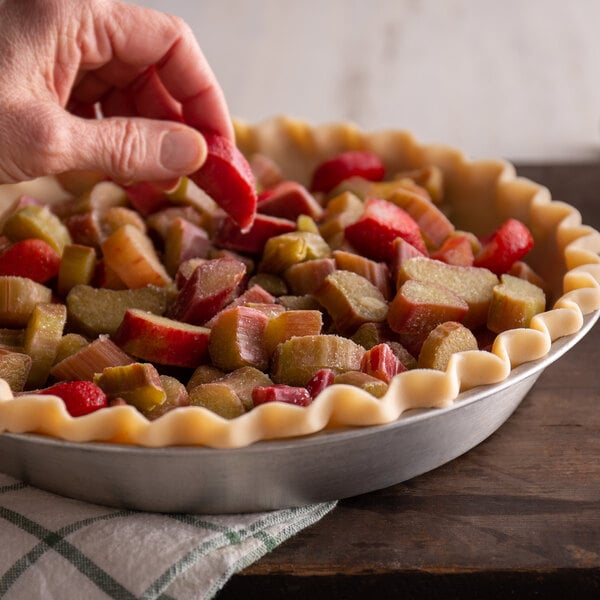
[59, 58]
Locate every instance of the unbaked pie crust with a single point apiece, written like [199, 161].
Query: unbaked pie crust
[479, 195]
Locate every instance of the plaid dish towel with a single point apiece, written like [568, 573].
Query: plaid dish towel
[54, 547]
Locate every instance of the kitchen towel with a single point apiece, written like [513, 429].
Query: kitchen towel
[58, 548]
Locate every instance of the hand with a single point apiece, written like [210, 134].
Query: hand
[60, 59]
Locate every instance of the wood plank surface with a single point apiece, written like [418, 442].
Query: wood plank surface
[519, 515]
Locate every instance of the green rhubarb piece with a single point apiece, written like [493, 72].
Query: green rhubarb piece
[18, 298]
[306, 277]
[273, 284]
[77, 267]
[203, 374]
[296, 360]
[242, 381]
[342, 210]
[376, 387]
[514, 303]
[90, 359]
[237, 339]
[443, 342]
[351, 300]
[177, 396]
[11, 339]
[475, 285]
[42, 337]
[219, 398]
[302, 302]
[68, 345]
[287, 249]
[138, 384]
[292, 323]
[36, 221]
[14, 368]
[93, 311]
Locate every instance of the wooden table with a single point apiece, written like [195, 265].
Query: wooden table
[518, 516]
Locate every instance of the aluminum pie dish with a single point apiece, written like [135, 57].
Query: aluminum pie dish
[281, 455]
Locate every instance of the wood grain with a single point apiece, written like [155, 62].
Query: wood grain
[518, 515]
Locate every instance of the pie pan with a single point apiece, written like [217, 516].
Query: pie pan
[346, 442]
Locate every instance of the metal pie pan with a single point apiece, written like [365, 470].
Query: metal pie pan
[275, 474]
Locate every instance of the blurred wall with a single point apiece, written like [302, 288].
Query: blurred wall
[512, 78]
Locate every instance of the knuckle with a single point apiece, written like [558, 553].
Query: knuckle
[128, 150]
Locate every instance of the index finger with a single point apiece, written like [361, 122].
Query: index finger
[143, 37]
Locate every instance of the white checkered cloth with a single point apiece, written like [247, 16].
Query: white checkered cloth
[57, 548]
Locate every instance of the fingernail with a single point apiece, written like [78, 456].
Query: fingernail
[182, 150]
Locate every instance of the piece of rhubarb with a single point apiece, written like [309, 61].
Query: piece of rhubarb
[32, 258]
[89, 360]
[381, 362]
[351, 300]
[80, 397]
[138, 384]
[37, 221]
[456, 250]
[93, 311]
[443, 342]
[42, 337]
[68, 345]
[381, 223]
[161, 340]
[237, 339]
[99, 198]
[514, 303]
[296, 360]
[77, 267]
[289, 324]
[85, 229]
[341, 211]
[219, 398]
[373, 385]
[227, 178]
[280, 392]
[508, 244]
[283, 251]
[322, 379]
[271, 283]
[184, 240]
[254, 239]
[209, 289]
[177, 396]
[265, 170]
[430, 177]
[18, 298]
[289, 200]
[14, 368]
[147, 197]
[375, 272]
[243, 380]
[117, 216]
[306, 277]
[203, 374]
[420, 305]
[131, 254]
[353, 163]
[473, 284]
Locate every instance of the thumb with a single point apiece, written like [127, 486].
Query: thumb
[133, 149]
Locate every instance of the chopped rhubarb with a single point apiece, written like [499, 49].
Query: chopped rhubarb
[374, 386]
[14, 368]
[299, 396]
[508, 244]
[375, 272]
[291, 323]
[184, 240]
[254, 239]
[18, 298]
[345, 165]
[162, 340]
[147, 197]
[227, 178]
[456, 250]
[381, 223]
[289, 249]
[319, 381]
[266, 171]
[31, 257]
[381, 362]
[444, 341]
[289, 200]
[80, 397]
[209, 289]
[77, 267]
[306, 277]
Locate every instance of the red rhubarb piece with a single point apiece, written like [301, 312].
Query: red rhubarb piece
[31, 258]
[353, 163]
[381, 362]
[147, 197]
[80, 397]
[289, 200]
[280, 392]
[319, 381]
[382, 222]
[227, 178]
[252, 241]
[509, 243]
[455, 251]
